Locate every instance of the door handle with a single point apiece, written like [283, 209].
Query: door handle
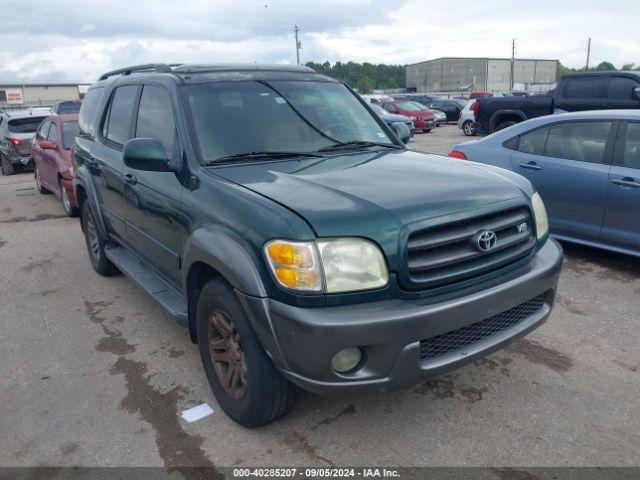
[130, 179]
[625, 182]
[531, 166]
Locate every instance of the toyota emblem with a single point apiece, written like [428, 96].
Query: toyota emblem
[486, 240]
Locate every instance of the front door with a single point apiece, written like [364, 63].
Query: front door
[621, 226]
[568, 163]
[152, 199]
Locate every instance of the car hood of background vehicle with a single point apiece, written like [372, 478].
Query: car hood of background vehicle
[374, 194]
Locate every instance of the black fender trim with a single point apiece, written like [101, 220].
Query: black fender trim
[83, 179]
[498, 113]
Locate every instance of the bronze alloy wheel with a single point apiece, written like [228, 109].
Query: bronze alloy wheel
[229, 359]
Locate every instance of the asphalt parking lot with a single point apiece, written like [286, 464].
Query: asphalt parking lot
[92, 373]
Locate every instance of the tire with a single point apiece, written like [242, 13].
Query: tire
[95, 244]
[427, 131]
[468, 128]
[6, 166]
[256, 393]
[66, 203]
[39, 186]
[504, 125]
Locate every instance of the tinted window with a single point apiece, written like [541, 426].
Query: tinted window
[44, 129]
[87, 121]
[118, 122]
[155, 117]
[621, 88]
[533, 142]
[631, 149]
[584, 141]
[67, 107]
[69, 130]
[24, 125]
[586, 87]
[53, 133]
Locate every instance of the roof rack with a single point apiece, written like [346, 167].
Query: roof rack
[149, 67]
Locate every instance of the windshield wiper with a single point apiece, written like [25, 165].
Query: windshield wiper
[260, 156]
[357, 144]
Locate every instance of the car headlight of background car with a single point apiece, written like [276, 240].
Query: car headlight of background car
[330, 265]
[540, 212]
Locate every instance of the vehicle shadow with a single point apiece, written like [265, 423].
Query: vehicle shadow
[623, 265]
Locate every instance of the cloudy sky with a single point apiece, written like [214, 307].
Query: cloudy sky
[71, 40]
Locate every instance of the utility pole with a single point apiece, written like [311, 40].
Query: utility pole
[586, 68]
[513, 60]
[298, 44]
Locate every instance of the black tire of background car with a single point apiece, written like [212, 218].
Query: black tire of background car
[269, 396]
[468, 128]
[504, 125]
[6, 166]
[68, 209]
[39, 186]
[100, 262]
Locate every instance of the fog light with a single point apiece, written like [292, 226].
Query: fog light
[346, 359]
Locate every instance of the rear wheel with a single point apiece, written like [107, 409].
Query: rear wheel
[504, 125]
[6, 166]
[38, 178]
[243, 378]
[468, 128]
[95, 243]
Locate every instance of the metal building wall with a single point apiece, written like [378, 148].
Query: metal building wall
[49, 93]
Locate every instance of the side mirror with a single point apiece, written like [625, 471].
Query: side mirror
[47, 145]
[146, 154]
[402, 131]
[635, 93]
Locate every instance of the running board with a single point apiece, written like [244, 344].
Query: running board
[171, 299]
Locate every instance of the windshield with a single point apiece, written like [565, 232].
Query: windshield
[69, 130]
[410, 106]
[24, 125]
[232, 118]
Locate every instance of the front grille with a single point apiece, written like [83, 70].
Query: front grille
[457, 339]
[446, 254]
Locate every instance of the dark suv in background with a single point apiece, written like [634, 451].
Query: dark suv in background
[272, 212]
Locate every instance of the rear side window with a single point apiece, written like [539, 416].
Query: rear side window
[585, 87]
[87, 120]
[631, 149]
[533, 142]
[583, 141]
[118, 122]
[155, 118]
[621, 88]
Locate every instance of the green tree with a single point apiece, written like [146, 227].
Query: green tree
[627, 67]
[604, 67]
[364, 85]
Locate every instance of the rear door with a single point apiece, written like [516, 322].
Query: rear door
[621, 225]
[36, 151]
[152, 199]
[581, 93]
[568, 163]
[618, 93]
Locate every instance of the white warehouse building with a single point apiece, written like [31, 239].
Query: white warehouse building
[19, 95]
[486, 74]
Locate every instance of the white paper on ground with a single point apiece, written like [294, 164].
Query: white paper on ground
[196, 413]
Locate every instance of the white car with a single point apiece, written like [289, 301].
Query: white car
[376, 99]
[467, 120]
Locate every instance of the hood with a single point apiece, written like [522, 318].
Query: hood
[392, 117]
[373, 194]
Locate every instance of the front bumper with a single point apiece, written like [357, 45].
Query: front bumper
[302, 341]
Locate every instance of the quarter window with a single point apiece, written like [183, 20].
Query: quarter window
[583, 141]
[43, 130]
[155, 118]
[118, 121]
[631, 150]
[533, 142]
[53, 133]
[86, 120]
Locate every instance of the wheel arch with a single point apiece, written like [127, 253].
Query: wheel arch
[504, 116]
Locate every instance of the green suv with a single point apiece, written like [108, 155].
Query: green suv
[270, 211]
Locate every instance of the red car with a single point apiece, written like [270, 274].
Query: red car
[422, 119]
[51, 153]
[473, 95]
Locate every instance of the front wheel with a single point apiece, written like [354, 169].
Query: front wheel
[243, 378]
[468, 128]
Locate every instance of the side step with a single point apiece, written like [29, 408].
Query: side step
[171, 299]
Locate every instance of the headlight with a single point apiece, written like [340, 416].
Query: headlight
[330, 265]
[542, 222]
